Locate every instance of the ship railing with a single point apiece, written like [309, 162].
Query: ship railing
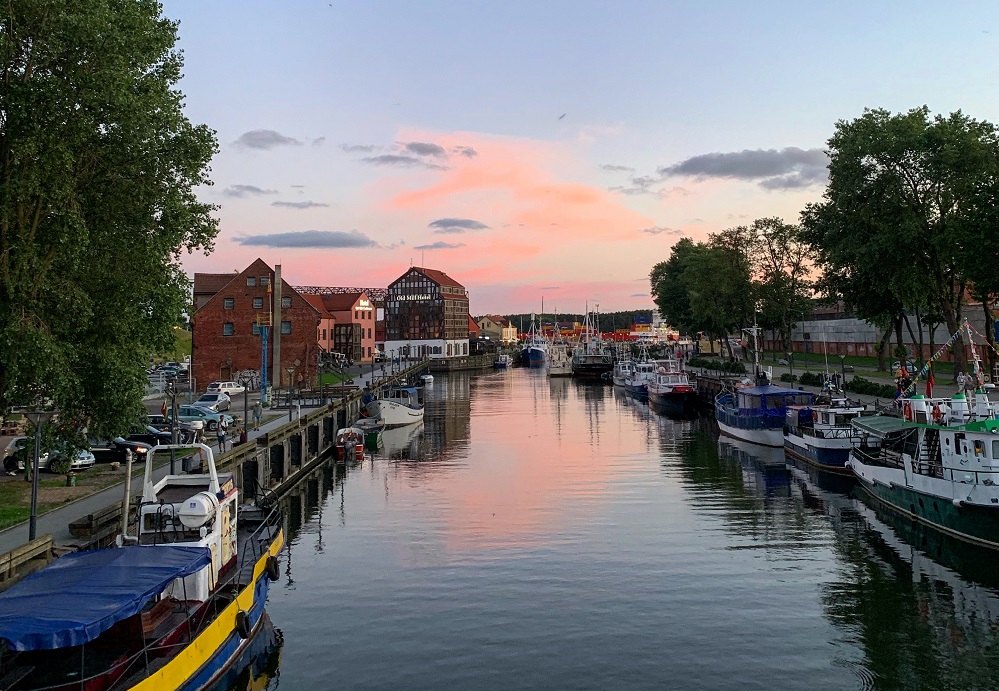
[831, 433]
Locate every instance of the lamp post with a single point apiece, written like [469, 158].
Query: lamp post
[245, 379]
[790, 368]
[172, 383]
[38, 418]
[842, 362]
[291, 387]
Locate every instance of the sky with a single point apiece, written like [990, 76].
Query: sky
[542, 150]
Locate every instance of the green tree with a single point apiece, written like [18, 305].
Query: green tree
[668, 289]
[907, 191]
[98, 170]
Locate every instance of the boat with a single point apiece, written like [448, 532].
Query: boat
[757, 413]
[642, 374]
[821, 434]
[622, 370]
[174, 607]
[427, 379]
[534, 352]
[401, 405]
[559, 361]
[938, 463]
[671, 388]
[349, 444]
[590, 358]
[502, 361]
[372, 430]
[398, 443]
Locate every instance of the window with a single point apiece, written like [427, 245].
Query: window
[256, 329]
[258, 303]
[265, 280]
[285, 303]
[464, 349]
[228, 329]
[995, 448]
[251, 281]
[324, 334]
[356, 315]
[286, 327]
[228, 303]
[369, 332]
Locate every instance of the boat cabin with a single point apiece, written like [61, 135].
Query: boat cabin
[408, 396]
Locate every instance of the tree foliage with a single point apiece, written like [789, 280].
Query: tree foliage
[98, 170]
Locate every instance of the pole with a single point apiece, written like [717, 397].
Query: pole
[173, 427]
[32, 525]
[128, 491]
[246, 400]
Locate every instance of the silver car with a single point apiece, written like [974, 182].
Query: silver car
[217, 401]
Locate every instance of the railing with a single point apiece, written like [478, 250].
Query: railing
[33, 555]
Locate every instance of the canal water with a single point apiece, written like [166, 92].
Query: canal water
[537, 533]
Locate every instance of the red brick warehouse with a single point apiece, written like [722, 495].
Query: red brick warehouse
[229, 309]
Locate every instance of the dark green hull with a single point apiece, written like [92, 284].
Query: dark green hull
[975, 524]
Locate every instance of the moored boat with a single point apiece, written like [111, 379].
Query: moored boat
[400, 406]
[502, 361]
[671, 389]
[590, 359]
[938, 464]
[756, 413]
[174, 608]
[642, 375]
[349, 444]
[622, 370]
[372, 430]
[535, 349]
[821, 434]
[559, 362]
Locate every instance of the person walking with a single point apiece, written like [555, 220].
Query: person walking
[220, 431]
[961, 381]
[258, 411]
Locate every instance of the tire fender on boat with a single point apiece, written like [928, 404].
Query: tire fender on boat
[273, 571]
[243, 627]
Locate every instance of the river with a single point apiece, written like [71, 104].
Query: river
[554, 534]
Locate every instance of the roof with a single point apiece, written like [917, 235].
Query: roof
[438, 277]
[211, 283]
[498, 320]
[880, 425]
[472, 326]
[341, 302]
[81, 595]
[768, 390]
[316, 301]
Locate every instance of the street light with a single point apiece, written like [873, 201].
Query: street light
[291, 387]
[790, 368]
[38, 418]
[842, 361]
[245, 378]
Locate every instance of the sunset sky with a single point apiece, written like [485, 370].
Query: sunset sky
[533, 149]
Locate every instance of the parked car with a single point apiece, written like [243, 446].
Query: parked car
[214, 401]
[188, 429]
[21, 451]
[148, 434]
[228, 387]
[111, 450]
[187, 413]
[909, 367]
[81, 459]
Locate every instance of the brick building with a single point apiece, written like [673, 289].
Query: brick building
[426, 315]
[226, 332]
[355, 320]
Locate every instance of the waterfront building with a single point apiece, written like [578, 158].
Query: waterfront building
[426, 315]
[354, 333]
[497, 328]
[229, 312]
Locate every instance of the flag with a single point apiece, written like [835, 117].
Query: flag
[163, 410]
[929, 383]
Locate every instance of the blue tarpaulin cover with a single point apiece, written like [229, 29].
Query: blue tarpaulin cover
[79, 596]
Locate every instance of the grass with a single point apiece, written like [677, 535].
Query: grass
[855, 360]
[333, 378]
[15, 493]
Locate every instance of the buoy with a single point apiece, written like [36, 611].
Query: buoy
[937, 414]
[243, 624]
[907, 411]
[273, 571]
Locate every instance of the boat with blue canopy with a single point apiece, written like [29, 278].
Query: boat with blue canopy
[174, 606]
[756, 413]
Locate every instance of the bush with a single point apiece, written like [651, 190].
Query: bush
[61, 466]
[810, 379]
[789, 378]
[719, 365]
[869, 388]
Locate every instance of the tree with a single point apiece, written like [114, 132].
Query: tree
[98, 170]
[667, 287]
[905, 197]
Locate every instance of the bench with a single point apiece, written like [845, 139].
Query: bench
[95, 524]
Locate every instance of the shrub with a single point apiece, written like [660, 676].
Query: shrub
[717, 364]
[790, 378]
[810, 379]
[61, 466]
[870, 388]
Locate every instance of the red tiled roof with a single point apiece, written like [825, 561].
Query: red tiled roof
[317, 303]
[498, 320]
[341, 302]
[438, 277]
[209, 284]
[473, 328]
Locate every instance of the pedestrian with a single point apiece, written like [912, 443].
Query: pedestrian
[220, 431]
[258, 412]
[961, 381]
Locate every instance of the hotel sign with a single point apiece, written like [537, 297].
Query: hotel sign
[363, 304]
[416, 297]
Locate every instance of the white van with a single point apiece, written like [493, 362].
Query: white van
[230, 387]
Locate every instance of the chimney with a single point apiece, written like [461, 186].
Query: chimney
[276, 368]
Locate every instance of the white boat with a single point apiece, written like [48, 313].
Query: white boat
[821, 434]
[642, 374]
[502, 361]
[622, 370]
[427, 378]
[672, 388]
[400, 406]
[559, 362]
[349, 444]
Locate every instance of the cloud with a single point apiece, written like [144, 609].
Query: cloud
[440, 245]
[548, 288]
[617, 169]
[639, 295]
[643, 184]
[318, 141]
[659, 230]
[319, 239]
[242, 191]
[774, 169]
[300, 205]
[426, 149]
[401, 161]
[466, 151]
[265, 139]
[357, 148]
[456, 225]
[298, 187]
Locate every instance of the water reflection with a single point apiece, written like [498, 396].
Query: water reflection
[257, 668]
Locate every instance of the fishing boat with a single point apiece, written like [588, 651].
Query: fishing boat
[559, 361]
[349, 444]
[757, 413]
[821, 434]
[400, 406]
[502, 361]
[590, 358]
[622, 370]
[174, 607]
[642, 375]
[535, 349]
[938, 463]
[671, 389]
[372, 430]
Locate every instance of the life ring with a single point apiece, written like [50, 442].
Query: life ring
[243, 627]
[273, 570]
[907, 411]
[937, 414]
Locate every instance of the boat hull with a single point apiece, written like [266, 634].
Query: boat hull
[532, 357]
[828, 456]
[591, 368]
[764, 437]
[969, 522]
[395, 414]
[675, 401]
[639, 391]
